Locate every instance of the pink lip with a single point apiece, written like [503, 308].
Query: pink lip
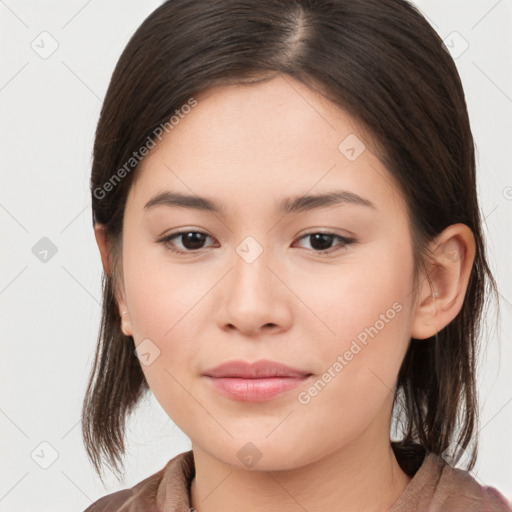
[256, 382]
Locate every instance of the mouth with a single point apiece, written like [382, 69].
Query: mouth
[254, 382]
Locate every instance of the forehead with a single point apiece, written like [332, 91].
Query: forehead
[274, 137]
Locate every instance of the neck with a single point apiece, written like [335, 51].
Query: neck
[358, 477]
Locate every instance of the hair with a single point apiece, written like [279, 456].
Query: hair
[382, 63]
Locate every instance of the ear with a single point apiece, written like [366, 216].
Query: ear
[103, 246]
[101, 240]
[440, 300]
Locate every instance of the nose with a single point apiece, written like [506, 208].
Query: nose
[254, 300]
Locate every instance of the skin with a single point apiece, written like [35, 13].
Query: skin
[249, 147]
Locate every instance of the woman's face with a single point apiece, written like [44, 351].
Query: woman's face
[256, 286]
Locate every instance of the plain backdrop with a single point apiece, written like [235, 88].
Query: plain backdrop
[50, 95]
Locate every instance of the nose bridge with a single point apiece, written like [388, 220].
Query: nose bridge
[251, 277]
[250, 300]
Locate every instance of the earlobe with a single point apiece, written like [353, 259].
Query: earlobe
[442, 293]
[126, 325]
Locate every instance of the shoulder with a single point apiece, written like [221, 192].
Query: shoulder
[438, 487]
[129, 499]
[458, 488]
[142, 497]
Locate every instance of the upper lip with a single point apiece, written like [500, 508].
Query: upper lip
[259, 369]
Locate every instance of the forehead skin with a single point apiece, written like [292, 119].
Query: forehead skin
[268, 137]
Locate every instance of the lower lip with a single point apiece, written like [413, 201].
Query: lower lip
[255, 390]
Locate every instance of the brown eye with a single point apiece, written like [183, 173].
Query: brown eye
[190, 240]
[321, 243]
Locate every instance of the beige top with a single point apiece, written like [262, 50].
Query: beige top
[435, 487]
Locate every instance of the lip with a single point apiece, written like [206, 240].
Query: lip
[254, 382]
[257, 370]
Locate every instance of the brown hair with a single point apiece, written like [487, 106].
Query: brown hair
[381, 62]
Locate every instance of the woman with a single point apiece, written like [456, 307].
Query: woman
[285, 205]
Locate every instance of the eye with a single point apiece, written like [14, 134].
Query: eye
[321, 242]
[191, 240]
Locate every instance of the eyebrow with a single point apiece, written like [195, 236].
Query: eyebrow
[288, 205]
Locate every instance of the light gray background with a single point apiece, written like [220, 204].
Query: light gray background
[50, 310]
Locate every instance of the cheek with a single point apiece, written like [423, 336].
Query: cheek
[362, 291]
[365, 311]
[355, 382]
[167, 307]
[161, 295]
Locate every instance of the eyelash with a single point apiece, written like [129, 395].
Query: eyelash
[345, 241]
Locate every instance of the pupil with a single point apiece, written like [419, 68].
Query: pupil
[324, 239]
[193, 240]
